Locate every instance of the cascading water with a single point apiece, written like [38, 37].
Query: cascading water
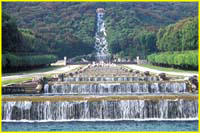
[118, 88]
[101, 44]
[87, 78]
[108, 86]
[101, 110]
[105, 92]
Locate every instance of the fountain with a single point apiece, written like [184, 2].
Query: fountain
[103, 92]
[101, 44]
[112, 93]
[101, 110]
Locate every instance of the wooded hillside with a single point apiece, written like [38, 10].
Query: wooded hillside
[68, 28]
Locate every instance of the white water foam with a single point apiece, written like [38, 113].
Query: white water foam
[104, 120]
[101, 44]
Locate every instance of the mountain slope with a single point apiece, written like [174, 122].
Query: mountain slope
[69, 27]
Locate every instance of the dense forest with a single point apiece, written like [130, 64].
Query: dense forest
[132, 28]
[22, 49]
[175, 43]
[68, 28]
[180, 36]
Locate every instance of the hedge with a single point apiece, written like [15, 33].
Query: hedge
[182, 59]
[11, 60]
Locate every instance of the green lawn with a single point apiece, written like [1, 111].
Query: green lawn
[20, 80]
[168, 69]
[14, 81]
[44, 69]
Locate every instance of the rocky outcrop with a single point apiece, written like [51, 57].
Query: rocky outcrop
[193, 84]
[40, 84]
[147, 73]
[163, 76]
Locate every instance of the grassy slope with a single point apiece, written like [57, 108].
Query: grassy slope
[20, 80]
[168, 69]
[44, 69]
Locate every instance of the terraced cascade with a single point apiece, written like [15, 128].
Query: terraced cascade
[105, 92]
[119, 88]
[112, 79]
[101, 110]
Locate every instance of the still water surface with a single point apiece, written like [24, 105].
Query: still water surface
[102, 126]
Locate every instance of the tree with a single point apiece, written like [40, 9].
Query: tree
[11, 37]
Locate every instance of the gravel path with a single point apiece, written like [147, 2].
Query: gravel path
[59, 70]
[140, 68]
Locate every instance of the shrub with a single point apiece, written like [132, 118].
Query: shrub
[181, 59]
[11, 60]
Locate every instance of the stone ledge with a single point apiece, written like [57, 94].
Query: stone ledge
[98, 98]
